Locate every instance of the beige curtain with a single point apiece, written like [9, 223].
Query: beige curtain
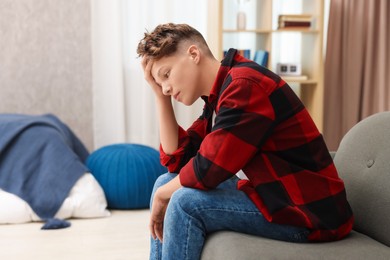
[357, 65]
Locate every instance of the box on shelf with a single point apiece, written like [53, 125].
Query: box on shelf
[289, 69]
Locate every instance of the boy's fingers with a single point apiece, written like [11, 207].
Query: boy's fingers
[151, 228]
[144, 62]
[148, 66]
[147, 71]
[156, 230]
[159, 231]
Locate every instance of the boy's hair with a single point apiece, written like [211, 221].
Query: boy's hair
[165, 39]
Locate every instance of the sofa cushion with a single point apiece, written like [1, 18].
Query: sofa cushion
[363, 162]
[227, 245]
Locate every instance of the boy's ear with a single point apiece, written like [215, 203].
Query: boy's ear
[194, 53]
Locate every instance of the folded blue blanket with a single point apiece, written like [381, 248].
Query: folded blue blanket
[40, 160]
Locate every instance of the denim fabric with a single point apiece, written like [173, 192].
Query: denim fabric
[192, 214]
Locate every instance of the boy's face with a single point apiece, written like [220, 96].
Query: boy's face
[178, 75]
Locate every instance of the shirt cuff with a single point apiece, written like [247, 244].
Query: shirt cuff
[172, 161]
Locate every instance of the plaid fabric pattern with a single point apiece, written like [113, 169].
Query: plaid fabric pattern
[263, 128]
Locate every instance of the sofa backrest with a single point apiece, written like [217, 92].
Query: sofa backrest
[363, 162]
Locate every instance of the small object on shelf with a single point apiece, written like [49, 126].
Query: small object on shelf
[241, 21]
[289, 69]
[241, 15]
[261, 57]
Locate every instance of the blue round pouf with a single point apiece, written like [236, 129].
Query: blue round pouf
[127, 173]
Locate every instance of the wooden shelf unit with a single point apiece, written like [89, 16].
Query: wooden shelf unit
[263, 32]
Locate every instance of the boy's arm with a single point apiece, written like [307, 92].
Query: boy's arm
[188, 145]
[169, 141]
[168, 125]
[167, 120]
[177, 145]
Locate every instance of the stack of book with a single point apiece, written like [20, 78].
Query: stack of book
[246, 53]
[293, 21]
[261, 57]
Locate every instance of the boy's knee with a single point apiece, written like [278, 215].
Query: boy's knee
[160, 181]
[164, 179]
[186, 199]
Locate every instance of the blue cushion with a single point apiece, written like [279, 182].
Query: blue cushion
[127, 173]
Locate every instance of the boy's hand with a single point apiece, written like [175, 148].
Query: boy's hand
[161, 199]
[157, 214]
[147, 67]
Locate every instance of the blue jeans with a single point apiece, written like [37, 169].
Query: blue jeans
[192, 214]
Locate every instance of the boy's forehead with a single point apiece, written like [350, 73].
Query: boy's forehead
[153, 70]
[160, 63]
[156, 67]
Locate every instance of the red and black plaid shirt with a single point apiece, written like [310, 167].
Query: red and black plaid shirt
[263, 128]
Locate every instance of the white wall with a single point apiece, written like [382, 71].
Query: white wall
[45, 61]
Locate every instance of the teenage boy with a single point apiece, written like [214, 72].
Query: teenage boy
[291, 192]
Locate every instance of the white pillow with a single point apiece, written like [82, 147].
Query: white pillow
[86, 200]
[13, 209]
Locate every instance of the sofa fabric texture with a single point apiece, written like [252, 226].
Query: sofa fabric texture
[228, 245]
[363, 162]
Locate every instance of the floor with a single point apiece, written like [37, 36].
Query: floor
[123, 235]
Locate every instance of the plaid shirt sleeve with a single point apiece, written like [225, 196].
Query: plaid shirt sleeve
[241, 126]
[189, 143]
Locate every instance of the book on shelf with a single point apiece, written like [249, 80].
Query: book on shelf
[261, 57]
[295, 17]
[288, 24]
[294, 21]
[246, 53]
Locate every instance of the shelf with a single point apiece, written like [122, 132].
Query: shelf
[246, 31]
[299, 30]
[301, 45]
[304, 30]
[303, 82]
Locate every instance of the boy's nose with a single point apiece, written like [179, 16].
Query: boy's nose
[167, 90]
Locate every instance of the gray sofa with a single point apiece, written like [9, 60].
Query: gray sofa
[363, 162]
